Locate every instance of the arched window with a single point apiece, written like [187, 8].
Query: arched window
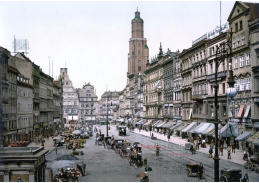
[139, 65]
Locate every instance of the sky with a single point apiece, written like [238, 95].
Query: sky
[91, 38]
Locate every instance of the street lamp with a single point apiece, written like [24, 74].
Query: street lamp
[221, 55]
[107, 114]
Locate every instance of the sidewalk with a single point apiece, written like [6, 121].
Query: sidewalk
[236, 157]
[48, 144]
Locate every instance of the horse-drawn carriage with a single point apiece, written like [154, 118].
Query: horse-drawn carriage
[192, 168]
[135, 155]
[117, 146]
[122, 130]
[99, 139]
[125, 149]
[230, 175]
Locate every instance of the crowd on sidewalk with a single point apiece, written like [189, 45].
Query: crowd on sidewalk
[232, 154]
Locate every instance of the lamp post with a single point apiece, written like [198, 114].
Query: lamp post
[107, 114]
[222, 52]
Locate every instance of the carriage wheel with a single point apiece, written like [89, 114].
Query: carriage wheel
[189, 172]
[223, 179]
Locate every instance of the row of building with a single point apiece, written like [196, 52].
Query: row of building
[31, 101]
[178, 87]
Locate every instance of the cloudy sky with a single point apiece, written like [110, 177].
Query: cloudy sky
[92, 37]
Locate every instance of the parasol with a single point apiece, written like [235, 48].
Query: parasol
[143, 174]
[62, 163]
[77, 132]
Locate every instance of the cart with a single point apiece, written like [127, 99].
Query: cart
[230, 175]
[192, 168]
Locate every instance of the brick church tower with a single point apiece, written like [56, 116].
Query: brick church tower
[138, 49]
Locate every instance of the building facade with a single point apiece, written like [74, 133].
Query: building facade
[87, 104]
[154, 87]
[70, 97]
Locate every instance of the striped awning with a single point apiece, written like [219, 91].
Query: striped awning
[156, 123]
[229, 130]
[245, 135]
[176, 126]
[167, 125]
[190, 127]
[180, 128]
[148, 123]
[161, 124]
[209, 131]
[201, 127]
[254, 137]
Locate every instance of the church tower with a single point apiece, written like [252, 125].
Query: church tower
[138, 49]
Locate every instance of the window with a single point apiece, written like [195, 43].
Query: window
[236, 27]
[235, 63]
[139, 65]
[234, 43]
[243, 39]
[240, 25]
[248, 86]
[236, 85]
[241, 84]
[236, 111]
[242, 61]
[238, 41]
[224, 88]
[248, 59]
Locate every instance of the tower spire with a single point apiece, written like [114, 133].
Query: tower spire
[160, 50]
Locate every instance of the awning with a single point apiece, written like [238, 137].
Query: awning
[256, 142]
[256, 125]
[254, 137]
[245, 135]
[140, 122]
[168, 125]
[240, 111]
[148, 123]
[201, 127]
[190, 127]
[176, 126]
[209, 131]
[180, 128]
[161, 124]
[158, 83]
[157, 123]
[229, 130]
[190, 114]
[247, 111]
[45, 124]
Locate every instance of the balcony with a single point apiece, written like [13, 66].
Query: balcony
[199, 97]
[221, 75]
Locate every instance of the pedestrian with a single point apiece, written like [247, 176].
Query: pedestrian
[229, 153]
[200, 170]
[168, 136]
[198, 144]
[233, 146]
[250, 150]
[221, 150]
[152, 135]
[145, 162]
[245, 178]
[194, 149]
[210, 152]
[191, 148]
[157, 150]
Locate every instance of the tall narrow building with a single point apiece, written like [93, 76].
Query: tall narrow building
[138, 49]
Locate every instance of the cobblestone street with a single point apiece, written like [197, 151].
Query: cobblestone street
[103, 165]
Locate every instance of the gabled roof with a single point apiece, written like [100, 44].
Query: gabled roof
[253, 7]
[254, 10]
[23, 56]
